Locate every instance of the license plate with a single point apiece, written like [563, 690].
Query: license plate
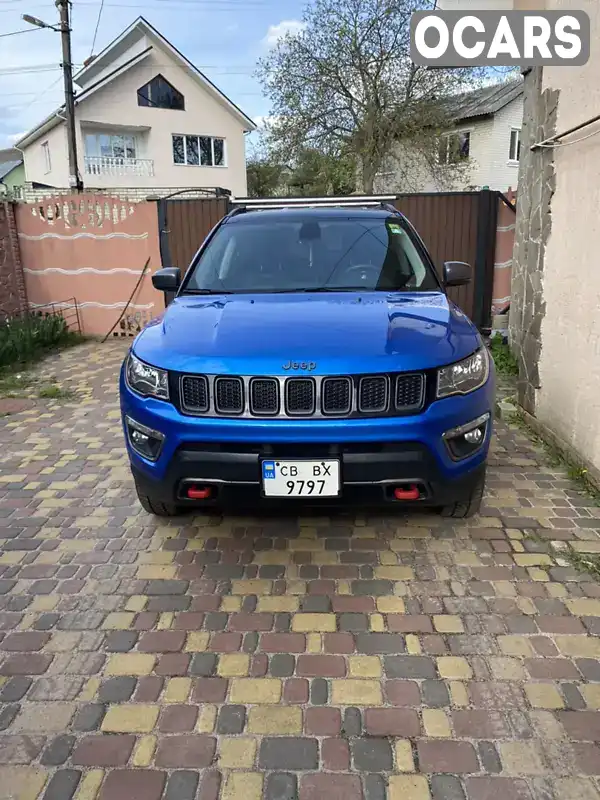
[301, 478]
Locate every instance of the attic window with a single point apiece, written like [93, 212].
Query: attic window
[159, 93]
[454, 147]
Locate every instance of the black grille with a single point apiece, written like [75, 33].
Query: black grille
[373, 393]
[194, 393]
[264, 396]
[300, 396]
[229, 395]
[336, 395]
[409, 391]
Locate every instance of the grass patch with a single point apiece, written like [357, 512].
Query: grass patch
[54, 392]
[26, 339]
[506, 363]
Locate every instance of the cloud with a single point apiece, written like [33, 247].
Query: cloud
[277, 32]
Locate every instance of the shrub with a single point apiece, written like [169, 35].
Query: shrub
[506, 363]
[25, 339]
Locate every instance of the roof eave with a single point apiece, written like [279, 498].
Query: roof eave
[46, 125]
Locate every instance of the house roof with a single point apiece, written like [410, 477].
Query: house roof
[138, 29]
[483, 102]
[7, 167]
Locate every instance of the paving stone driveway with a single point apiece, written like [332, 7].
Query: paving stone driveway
[324, 657]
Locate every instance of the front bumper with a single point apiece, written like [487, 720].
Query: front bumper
[375, 454]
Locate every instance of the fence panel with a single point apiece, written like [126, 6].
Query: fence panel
[186, 223]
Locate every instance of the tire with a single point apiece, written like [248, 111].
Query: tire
[156, 507]
[468, 507]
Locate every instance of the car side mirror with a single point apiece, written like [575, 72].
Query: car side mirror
[456, 273]
[167, 279]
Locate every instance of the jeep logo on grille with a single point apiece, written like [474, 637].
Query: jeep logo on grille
[305, 365]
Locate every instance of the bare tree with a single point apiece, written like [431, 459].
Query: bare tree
[346, 84]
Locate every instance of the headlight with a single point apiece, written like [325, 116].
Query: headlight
[465, 376]
[146, 380]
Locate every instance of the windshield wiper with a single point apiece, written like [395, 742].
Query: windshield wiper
[205, 291]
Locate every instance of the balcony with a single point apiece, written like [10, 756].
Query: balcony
[118, 166]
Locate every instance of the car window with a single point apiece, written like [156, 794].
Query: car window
[312, 255]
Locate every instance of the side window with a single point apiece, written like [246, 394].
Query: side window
[454, 147]
[46, 156]
[514, 151]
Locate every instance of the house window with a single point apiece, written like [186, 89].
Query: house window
[203, 151]
[110, 145]
[159, 93]
[454, 147]
[514, 151]
[47, 160]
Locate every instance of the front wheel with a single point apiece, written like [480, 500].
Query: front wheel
[468, 507]
[154, 506]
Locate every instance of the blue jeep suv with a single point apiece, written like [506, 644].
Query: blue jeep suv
[310, 355]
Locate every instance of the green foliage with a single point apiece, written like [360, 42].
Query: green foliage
[506, 363]
[264, 177]
[25, 339]
[319, 174]
[54, 392]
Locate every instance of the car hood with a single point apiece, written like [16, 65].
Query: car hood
[336, 333]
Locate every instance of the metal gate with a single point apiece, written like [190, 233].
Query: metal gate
[455, 226]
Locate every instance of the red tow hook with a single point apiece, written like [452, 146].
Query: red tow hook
[412, 493]
[202, 493]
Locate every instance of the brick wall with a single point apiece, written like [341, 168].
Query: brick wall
[13, 296]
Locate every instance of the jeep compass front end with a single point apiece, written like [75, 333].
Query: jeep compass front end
[310, 355]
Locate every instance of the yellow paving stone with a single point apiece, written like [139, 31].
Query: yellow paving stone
[308, 545]
[591, 694]
[364, 666]
[408, 787]
[130, 718]
[255, 690]
[165, 621]
[314, 643]
[400, 589]
[521, 758]
[130, 664]
[584, 606]
[196, 642]
[206, 719]
[21, 783]
[404, 756]
[278, 604]
[118, 620]
[156, 572]
[26, 622]
[390, 605]
[394, 573]
[90, 783]
[556, 590]
[63, 641]
[305, 623]
[231, 603]
[458, 693]
[137, 602]
[514, 645]
[543, 695]
[575, 789]
[436, 723]
[467, 558]
[351, 692]
[537, 574]
[517, 546]
[89, 691]
[448, 623]
[454, 667]
[238, 753]
[242, 786]
[233, 665]
[157, 557]
[253, 586]
[413, 645]
[344, 587]
[11, 557]
[388, 559]
[578, 646]
[144, 751]
[526, 605]
[276, 557]
[545, 724]
[77, 545]
[507, 669]
[280, 721]
[505, 589]
[376, 623]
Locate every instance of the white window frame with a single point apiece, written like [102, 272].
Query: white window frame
[212, 151]
[447, 136]
[514, 161]
[47, 158]
[98, 154]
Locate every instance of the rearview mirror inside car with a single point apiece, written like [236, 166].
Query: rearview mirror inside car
[167, 279]
[456, 273]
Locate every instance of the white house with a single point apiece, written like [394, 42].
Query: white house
[145, 117]
[484, 140]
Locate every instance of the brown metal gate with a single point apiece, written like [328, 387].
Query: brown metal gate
[455, 226]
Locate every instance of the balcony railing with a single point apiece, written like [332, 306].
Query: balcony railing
[117, 165]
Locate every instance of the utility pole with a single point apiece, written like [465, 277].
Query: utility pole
[64, 29]
[75, 181]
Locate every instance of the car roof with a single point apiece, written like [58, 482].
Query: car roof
[293, 214]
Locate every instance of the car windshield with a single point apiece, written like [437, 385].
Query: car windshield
[311, 254]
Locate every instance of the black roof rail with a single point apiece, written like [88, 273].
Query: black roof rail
[237, 210]
[392, 209]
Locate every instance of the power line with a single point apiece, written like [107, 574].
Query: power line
[97, 26]
[16, 33]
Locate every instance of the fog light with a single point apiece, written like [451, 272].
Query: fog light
[467, 439]
[145, 441]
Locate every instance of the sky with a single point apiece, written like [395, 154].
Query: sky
[223, 38]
